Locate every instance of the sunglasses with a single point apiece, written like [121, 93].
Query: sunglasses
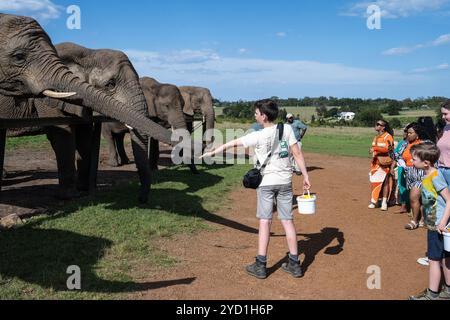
[380, 124]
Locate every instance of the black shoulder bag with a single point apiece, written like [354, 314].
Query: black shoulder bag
[253, 178]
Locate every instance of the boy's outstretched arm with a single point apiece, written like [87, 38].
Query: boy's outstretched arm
[222, 148]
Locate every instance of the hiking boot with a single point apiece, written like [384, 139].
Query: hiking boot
[293, 267]
[258, 270]
[426, 295]
[445, 294]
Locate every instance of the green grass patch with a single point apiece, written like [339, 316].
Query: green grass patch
[32, 142]
[111, 238]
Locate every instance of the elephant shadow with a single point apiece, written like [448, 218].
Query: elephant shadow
[42, 257]
[181, 174]
[315, 243]
[13, 178]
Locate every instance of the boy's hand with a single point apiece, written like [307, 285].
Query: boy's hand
[306, 183]
[442, 227]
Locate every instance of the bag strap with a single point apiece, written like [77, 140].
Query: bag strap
[280, 130]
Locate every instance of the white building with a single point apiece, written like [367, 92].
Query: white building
[347, 116]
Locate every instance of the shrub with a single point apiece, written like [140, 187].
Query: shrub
[368, 117]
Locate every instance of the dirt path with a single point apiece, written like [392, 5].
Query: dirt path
[338, 245]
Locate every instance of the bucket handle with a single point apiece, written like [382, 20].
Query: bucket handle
[309, 194]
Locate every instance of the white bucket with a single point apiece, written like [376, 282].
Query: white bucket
[307, 204]
[446, 241]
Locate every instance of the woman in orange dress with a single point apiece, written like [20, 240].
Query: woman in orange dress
[380, 175]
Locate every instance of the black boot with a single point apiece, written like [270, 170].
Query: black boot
[258, 269]
[293, 267]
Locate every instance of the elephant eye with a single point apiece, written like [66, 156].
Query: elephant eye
[111, 84]
[19, 57]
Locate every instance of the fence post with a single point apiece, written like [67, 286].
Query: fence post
[95, 153]
[2, 153]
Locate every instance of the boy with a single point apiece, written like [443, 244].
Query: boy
[436, 207]
[277, 182]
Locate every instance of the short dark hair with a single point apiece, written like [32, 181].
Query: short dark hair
[426, 152]
[446, 105]
[269, 108]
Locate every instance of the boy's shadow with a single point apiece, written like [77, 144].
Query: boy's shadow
[314, 243]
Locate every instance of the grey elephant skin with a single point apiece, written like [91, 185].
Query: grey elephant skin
[30, 68]
[165, 107]
[199, 100]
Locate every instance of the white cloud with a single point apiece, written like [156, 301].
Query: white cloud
[231, 75]
[243, 50]
[442, 40]
[281, 34]
[394, 9]
[39, 9]
[443, 66]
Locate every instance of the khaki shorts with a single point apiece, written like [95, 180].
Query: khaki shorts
[266, 195]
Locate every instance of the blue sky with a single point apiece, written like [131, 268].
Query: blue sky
[255, 49]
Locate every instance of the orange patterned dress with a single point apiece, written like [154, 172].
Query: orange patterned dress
[381, 146]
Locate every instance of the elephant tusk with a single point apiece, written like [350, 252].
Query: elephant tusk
[129, 127]
[58, 95]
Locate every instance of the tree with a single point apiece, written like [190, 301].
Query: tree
[368, 117]
[395, 123]
[393, 108]
[321, 111]
[333, 112]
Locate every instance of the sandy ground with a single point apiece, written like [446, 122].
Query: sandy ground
[339, 245]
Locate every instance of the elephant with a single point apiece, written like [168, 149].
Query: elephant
[165, 107]
[199, 100]
[36, 82]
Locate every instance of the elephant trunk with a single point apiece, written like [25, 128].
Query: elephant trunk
[210, 118]
[88, 96]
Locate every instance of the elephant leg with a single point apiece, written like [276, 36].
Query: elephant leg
[192, 167]
[2, 155]
[83, 138]
[190, 126]
[62, 140]
[154, 154]
[113, 157]
[119, 140]
[139, 144]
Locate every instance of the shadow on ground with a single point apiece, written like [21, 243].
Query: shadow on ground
[315, 243]
[42, 256]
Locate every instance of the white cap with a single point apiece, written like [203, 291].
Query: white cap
[289, 115]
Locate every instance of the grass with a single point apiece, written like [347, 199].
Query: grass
[341, 141]
[112, 238]
[32, 142]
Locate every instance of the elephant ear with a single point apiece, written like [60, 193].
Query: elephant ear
[187, 109]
